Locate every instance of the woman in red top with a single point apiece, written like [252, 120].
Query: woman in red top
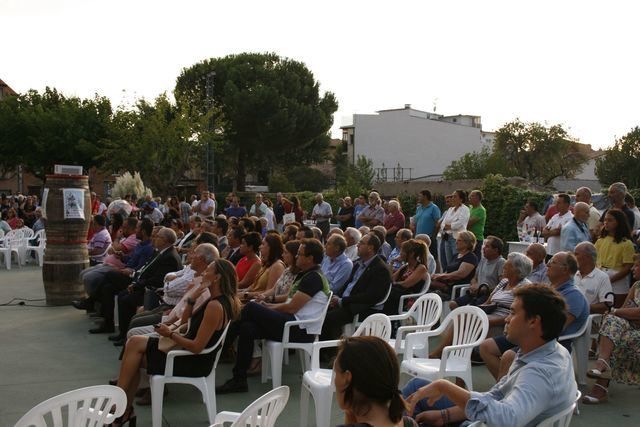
[297, 209]
[393, 221]
[249, 265]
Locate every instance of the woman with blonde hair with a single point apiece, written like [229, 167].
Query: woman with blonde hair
[206, 325]
[410, 278]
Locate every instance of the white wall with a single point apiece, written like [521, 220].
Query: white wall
[428, 146]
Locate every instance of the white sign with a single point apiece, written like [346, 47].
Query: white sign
[73, 203]
[43, 205]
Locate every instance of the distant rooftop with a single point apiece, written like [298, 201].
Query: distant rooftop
[5, 90]
[459, 119]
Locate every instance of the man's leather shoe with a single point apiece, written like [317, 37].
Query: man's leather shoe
[116, 337]
[120, 342]
[80, 304]
[103, 329]
[234, 385]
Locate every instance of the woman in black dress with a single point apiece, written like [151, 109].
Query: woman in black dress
[206, 325]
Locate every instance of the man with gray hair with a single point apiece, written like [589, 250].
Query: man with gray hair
[537, 254]
[322, 214]
[402, 236]
[616, 194]
[590, 280]
[352, 236]
[373, 213]
[336, 266]
[576, 230]
[583, 194]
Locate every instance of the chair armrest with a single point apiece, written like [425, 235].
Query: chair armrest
[289, 324]
[402, 316]
[317, 346]
[456, 290]
[403, 298]
[415, 337]
[407, 330]
[168, 367]
[226, 417]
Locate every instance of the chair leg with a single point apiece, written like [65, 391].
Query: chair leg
[322, 400]
[266, 365]
[210, 397]
[157, 393]
[276, 366]
[304, 406]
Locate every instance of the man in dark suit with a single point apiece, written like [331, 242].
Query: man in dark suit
[368, 284]
[232, 252]
[151, 277]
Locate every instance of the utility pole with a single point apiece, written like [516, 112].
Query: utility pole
[209, 157]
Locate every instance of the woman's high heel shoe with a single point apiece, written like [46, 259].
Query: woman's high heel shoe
[129, 417]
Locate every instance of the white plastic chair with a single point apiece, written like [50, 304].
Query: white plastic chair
[404, 298]
[263, 412]
[349, 328]
[470, 327]
[27, 234]
[581, 342]
[206, 385]
[84, 406]
[39, 248]
[273, 351]
[456, 291]
[318, 382]
[426, 312]
[11, 245]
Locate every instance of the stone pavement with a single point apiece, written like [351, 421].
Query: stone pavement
[46, 351]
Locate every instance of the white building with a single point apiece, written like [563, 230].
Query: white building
[407, 143]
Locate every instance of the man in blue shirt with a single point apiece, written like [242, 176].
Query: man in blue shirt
[577, 230]
[336, 266]
[427, 214]
[540, 382]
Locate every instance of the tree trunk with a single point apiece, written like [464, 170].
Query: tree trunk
[242, 170]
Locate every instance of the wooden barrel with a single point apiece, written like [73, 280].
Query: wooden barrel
[66, 254]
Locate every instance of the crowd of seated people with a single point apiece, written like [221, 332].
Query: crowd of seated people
[285, 271]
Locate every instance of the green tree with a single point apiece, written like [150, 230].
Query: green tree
[39, 130]
[308, 179]
[477, 165]
[363, 172]
[156, 139]
[622, 161]
[538, 153]
[270, 109]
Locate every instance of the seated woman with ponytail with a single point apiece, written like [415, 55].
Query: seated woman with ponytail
[366, 379]
[410, 278]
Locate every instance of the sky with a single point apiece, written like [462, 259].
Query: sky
[569, 62]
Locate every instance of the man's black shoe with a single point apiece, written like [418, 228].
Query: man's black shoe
[116, 337]
[120, 342]
[234, 385]
[81, 304]
[103, 329]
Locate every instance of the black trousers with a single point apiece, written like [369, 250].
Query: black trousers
[113, 284]
[259, 322]
[128, 303]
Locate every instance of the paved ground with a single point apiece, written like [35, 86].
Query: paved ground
[46, 351]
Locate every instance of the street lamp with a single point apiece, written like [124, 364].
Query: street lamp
[209, 158]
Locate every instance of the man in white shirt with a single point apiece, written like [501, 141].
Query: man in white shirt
[552, 231]
[530, 219]
[352, 236]
[322, 214]
[592, 282]
[205, 206]
[258, 209]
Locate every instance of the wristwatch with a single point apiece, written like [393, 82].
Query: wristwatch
[190, 301]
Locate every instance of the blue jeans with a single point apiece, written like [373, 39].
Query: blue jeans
[451, 250]
[413, 386]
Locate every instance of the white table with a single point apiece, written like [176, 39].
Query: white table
[520, 247]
